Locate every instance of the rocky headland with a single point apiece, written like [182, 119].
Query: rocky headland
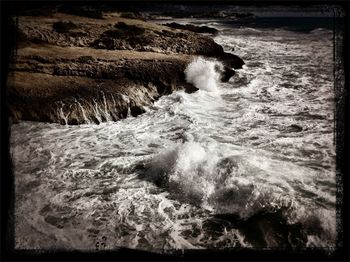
[74, 69]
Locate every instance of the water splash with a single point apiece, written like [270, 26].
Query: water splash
[203, 74]
[61, 114]
[83, 112]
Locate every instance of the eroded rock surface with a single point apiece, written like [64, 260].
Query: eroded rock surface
[73, 69]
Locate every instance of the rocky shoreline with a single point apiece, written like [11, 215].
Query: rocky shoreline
[72, 69]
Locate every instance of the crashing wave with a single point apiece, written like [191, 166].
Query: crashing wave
[205, 176]
[204, 74]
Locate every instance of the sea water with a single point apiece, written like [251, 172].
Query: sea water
[192, 171]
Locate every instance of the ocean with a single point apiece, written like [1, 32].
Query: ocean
[248, 163]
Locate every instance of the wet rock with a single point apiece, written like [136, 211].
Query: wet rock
[295, 128]
[264, 229]
[58, 222]
[227, 74]
[230, 60]
[190, 88]
[193, 28]
[270, 229]
[136, 110]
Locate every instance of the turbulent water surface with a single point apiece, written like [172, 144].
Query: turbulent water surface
[250, 162]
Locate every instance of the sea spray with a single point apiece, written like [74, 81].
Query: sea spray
[203, 74]
[219, 181]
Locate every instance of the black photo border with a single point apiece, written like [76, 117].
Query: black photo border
[8, 253]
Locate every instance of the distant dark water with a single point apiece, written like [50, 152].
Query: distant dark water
[299, 24]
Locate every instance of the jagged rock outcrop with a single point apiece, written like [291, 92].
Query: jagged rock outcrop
[64, 85]
[76, 100]
[73, 69]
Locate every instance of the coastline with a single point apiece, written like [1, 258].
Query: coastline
[95, 70]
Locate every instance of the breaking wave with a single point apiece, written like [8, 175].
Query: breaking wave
[221, 182]
[204, 74]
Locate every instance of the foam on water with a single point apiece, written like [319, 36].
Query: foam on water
[229, 180]
[260, 143]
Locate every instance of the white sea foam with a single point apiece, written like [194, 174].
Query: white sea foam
[203, 75]
[218, 179]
